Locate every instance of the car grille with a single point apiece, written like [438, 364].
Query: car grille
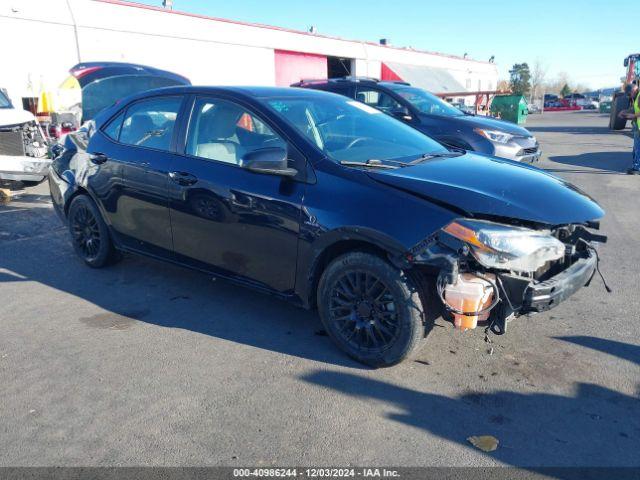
[529, 151]
[11, 143]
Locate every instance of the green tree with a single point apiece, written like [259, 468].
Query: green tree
[520, 79]
[565, 90]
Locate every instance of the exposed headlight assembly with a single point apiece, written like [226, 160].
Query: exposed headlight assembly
[494, 135]
[505, 247]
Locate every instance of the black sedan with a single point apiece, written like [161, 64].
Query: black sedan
[328, 203]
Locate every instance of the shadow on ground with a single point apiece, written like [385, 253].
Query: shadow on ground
[143, 290]
[593, 163]
[621, 350]
[596, 426]
[593, 426]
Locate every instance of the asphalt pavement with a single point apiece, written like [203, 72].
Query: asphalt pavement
[145, 363]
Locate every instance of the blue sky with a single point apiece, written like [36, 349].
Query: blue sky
[587, 39]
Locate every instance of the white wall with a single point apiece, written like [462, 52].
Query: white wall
[201, 62]
[37, 41]
[204, 50]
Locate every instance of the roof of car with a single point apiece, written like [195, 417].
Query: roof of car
[348, 81]
[241, 91]
[258, 92]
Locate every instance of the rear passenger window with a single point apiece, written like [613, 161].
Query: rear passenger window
[150, 123]
[112, 130]
[224, 131]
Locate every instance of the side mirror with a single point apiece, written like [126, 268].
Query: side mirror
[401, 114]
[271, 161]
[626, 62]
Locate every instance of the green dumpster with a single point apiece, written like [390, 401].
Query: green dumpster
[510, 107]
[605, 106]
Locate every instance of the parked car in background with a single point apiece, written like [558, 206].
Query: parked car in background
[24, 153]
[93, 86]
[574, 96]
[580, 100]
[533, 108]
[329, 203]
[436, 118]
[590, 104]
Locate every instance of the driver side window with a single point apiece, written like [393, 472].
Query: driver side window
[379, 100]
[225, 132]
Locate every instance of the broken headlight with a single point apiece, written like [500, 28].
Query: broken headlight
[505, 247]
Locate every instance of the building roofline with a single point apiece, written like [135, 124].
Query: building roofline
[142, 6]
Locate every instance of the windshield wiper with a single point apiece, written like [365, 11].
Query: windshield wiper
[429, 156]
[371, 163]
[375, 163]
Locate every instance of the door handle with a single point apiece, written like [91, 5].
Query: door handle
[183, 178]
[98, 158]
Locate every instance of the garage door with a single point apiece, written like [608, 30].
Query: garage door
[292, 67]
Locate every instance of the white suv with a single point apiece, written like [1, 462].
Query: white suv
[23, 148]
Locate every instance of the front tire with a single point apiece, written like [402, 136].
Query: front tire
[89, 233]
[370, 309]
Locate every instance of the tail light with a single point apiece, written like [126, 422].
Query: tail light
[57, 130]
[82, 71]
[54, 130]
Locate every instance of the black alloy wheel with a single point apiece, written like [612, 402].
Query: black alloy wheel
[89, 233]
[85, 233]
[370, 309]
[364, 311]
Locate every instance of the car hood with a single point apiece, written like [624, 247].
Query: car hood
[14, 116]
[487, 123]
[478, 185]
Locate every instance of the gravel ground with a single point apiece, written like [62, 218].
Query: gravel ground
[145, 363]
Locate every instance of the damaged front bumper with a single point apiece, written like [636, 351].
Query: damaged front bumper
[23, 168]
[542, 296]
[520, 293]
[24, 153]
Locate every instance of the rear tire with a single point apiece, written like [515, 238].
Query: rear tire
[89, 233]
[619, 103]
[370, 309]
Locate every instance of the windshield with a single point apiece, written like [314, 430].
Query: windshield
[346, 130]
[425, 102]
[4, 101]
